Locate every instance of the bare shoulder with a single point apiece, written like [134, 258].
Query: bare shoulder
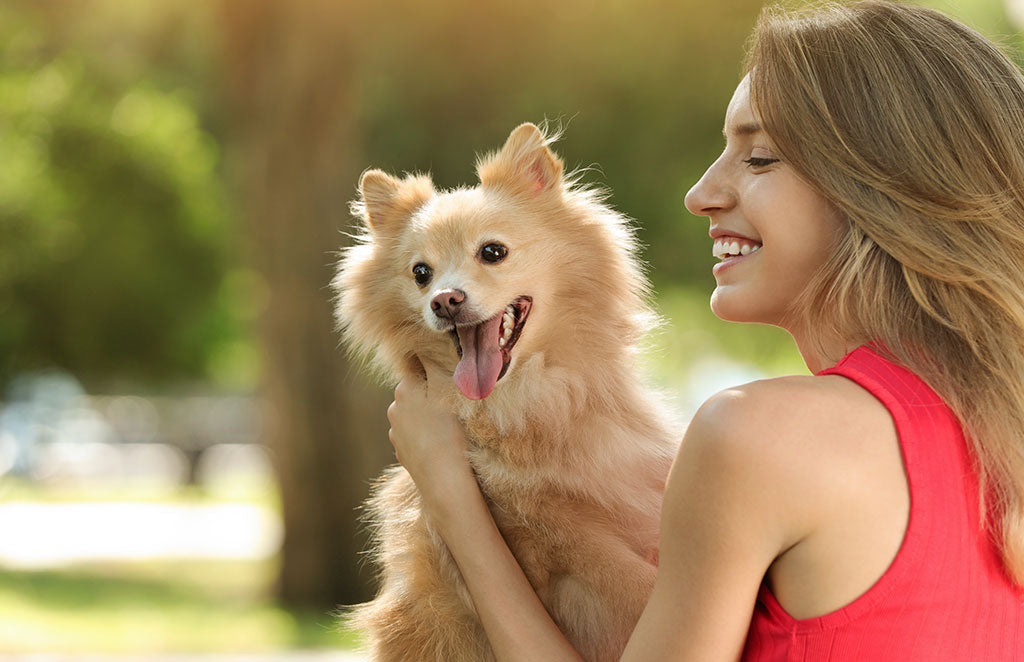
[799, 439]
[820, 401]
[789, 418]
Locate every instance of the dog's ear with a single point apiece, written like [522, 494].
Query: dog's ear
[525, 164]
[386, 203]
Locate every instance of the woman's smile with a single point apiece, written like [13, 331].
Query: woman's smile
[731, 249]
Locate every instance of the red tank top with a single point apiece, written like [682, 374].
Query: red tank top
[945, 597]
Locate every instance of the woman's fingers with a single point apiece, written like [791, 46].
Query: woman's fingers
[427, 437]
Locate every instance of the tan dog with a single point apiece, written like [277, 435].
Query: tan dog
[527, 291]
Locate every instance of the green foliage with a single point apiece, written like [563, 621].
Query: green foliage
[113, 221]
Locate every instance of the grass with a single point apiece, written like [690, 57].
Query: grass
[152, 606]
[193, 606]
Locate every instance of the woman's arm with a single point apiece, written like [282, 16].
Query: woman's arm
[733, 502]
[732, 505]
[517, 625]
[431, 445]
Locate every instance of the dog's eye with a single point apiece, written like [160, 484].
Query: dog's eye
[493, 253]
[422, 273]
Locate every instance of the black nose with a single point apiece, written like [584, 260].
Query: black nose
[445, 303]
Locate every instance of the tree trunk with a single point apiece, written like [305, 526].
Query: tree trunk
[295, 160]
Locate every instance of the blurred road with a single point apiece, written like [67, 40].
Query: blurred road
[43, 535]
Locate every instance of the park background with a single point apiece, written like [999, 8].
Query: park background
[183, 444]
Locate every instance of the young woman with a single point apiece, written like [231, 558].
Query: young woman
[874, 165]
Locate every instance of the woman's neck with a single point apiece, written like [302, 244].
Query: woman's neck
[820, 352]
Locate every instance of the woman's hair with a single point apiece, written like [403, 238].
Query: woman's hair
[912, 125]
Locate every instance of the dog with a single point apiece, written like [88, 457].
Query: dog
[527, 290]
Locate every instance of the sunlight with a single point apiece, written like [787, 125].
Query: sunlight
[1015, 12]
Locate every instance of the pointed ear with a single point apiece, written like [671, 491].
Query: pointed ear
[385, 203]
[525, 164]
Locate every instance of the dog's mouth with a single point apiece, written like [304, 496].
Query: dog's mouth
[485, 348]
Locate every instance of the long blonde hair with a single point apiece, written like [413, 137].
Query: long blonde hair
[912, 125]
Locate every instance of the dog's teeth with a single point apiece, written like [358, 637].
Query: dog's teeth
[506, 334]
[507, 319]
[501, 342]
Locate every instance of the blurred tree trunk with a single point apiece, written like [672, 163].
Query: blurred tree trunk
[287, 72]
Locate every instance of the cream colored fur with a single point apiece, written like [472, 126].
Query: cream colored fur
[571, 448]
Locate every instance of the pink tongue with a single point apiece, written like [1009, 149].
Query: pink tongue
[481, 361]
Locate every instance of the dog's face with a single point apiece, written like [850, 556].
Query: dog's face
[460, 278]
[471, 263]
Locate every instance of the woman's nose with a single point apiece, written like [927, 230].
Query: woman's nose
[711, 194]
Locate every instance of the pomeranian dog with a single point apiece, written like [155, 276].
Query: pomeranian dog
[527, 290]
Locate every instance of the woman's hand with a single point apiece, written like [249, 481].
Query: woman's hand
[431, 445]
[429, 440]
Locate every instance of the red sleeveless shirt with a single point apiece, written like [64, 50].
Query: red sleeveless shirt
[945, 597]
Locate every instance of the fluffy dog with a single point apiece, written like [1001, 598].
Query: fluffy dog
[527, 290]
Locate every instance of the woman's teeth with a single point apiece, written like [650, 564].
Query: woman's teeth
[725, 248]
[508, 322]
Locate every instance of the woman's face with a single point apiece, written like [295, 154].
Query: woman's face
[771, 229]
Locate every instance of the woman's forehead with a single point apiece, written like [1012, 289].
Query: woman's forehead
[740, 120]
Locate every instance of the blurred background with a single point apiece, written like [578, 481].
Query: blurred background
[183, 445]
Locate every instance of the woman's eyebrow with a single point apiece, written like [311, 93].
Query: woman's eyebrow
[745, 129]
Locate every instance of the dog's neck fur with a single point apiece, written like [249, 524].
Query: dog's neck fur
[565, 440]
[546, 419]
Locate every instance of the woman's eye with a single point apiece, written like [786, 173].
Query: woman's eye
[493, 253]
[760, 162]
[422, 273]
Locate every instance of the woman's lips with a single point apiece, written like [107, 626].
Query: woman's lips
[729, 262]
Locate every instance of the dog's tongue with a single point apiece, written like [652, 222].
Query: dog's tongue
[481, 361]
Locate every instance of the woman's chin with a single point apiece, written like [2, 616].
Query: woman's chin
[731, 305]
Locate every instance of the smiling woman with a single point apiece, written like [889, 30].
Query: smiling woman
[870, 201]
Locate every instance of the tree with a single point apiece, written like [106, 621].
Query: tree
[287, 71]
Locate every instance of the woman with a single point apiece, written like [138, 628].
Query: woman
[874, 165]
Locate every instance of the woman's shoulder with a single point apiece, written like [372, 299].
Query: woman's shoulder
[770, 464]
[802, 437]
[817, 404]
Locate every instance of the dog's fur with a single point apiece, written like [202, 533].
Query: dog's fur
[571, 449]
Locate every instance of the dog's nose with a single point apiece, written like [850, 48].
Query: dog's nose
[445, 303]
